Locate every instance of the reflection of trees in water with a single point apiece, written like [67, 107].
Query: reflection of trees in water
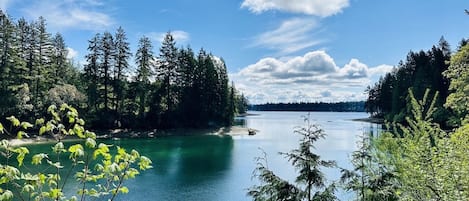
[193, 158]
[240, 121]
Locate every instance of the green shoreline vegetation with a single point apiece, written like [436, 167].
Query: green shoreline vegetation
[175, 88]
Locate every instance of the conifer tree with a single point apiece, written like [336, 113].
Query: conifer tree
[107, 63]
[121, 65]
[92, 71]
[144, 60]
[167, 70]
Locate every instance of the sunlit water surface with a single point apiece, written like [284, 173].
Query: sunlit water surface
[219, 168]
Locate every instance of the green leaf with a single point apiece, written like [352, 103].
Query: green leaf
[59, 147]
[76, 151]
[124, 190]
[81, 122]
[26, 125]
[55, 193]
[1, 128]
[78, 130]
[21, 151]
[40, 121]
[42, 130]
[37, 159]
[56, 164]
[51, 108]
[20, 134]
[6, 195]
[90, 142]
[14, 121]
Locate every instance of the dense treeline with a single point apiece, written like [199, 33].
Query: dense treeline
[420, 71]
[172, 88]
[358, 106]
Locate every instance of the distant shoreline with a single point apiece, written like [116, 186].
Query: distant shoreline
[118, 134]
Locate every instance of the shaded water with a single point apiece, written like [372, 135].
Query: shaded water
[208, 167]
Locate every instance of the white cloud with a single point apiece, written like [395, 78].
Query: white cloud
[178, 35]
[71, 53]
[292, 35]
[320, 8]
[381, 69]
[4, 4]
[311, 77]
[71, 14]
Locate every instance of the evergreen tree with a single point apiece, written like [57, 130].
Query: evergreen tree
[107, 64]
[59, 60]
[144, 60]
[92, 72]
[121, 65]
[167, 71]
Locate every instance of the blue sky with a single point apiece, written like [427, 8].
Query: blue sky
[275, 50]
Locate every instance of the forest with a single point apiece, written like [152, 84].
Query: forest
[422, 70]
[174, 87]
[358, 106]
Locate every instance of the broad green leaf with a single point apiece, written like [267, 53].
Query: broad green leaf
[56, 164]
[21, 151]
[40, 121]
[81, 122]
[37, 159]
[51, 108]
[6, 195]
[124, 190]
[78, 130]
[14, 121]
[1, 128]
[26, 125]
[90, 142]
[59, 147]
[42, 130]
[76, 151]
[20, 134]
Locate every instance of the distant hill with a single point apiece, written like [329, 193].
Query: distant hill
[358, 106]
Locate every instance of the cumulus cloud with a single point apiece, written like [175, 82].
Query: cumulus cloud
[71, 53]
[311, 77]
[310, 7]
[71, 14]
[178, 35]
[292, 35]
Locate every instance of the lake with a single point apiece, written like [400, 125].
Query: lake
[209, 167]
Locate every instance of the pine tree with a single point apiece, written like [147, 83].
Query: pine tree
[92, 71]
[144, 60]
[167, 70]
[121, 65]
[59, 59]
[107, 63]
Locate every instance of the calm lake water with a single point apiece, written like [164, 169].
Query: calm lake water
[208, 167]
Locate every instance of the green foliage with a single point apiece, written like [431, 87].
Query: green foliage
[99, 171]
[420, 160]
[310, 184]
[458, 73]
[421, 70]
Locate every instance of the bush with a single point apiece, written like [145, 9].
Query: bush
[99, 171]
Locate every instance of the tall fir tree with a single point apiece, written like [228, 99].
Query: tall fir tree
[107, 64]
[122, 55]
[167, 70]
[92, 71]
[144, 60]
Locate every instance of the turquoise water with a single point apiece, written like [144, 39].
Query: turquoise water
[208, 167]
